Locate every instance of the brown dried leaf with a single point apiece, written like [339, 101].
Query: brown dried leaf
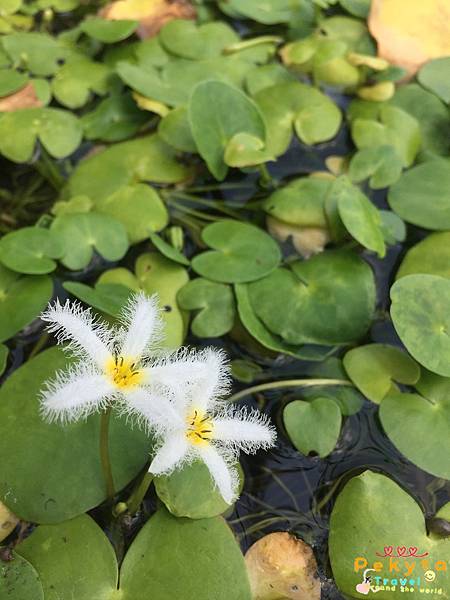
[280, 566]
[7, 522]
[411, 32]
[151, 14]
[24, 98]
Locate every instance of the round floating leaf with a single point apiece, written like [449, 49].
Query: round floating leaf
[11, 81]
[109, 298]
[217, 112]
[108, 31]
[203, 554]
[55, 472]
[359, 216]
[431, 256]
[241, 252]
[380, 164]
[77, 78]
[269, 13]
[421, 317]
[138, 207]
[175, 130]
[190, 492]
[184, 38]
[374, 516]
[19, 580]
[39, 53]
[213, 303]
[434, 75]
[313, 426]
[3, 357]
[408, 418]
[266, 338]
[74, 559]
[422, 195]
[244, 150]
[31, 250]
[168, 250]
[375, 368]
[22, 299]
[144, 159]
[328, 299]
[84, 232]
[58, 131]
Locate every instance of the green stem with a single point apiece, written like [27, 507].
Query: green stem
[276, 385]
[215, 204]
[104, 452]
[136, 498]
[266, 180]
[46, 167]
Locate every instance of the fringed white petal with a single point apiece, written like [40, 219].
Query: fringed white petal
[225, 477]
[172, 454]
[213, 380]
[244, 430]
[152, 409]
[87, 337]
[75, 394]
[142, 326]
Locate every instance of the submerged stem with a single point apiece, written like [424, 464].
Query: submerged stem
[136, 498]
[275, 385]
[104, 452]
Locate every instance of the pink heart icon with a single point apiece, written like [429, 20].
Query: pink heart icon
[388, 550]
[363, 588]
[401, 550]
[412, 550]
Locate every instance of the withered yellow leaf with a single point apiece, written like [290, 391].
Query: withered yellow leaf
[24, 98]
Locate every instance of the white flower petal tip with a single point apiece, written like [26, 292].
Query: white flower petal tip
[142, 324]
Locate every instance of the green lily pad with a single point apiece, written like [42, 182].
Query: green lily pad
[434, 75]
[244, 150]
[143, 159]
[422, 195]
[55, 472]
[19, 580]
[374, 517]
[407, 418]
[313, 426]
[431, 256]
[217, 112]
[3, 357]
[77, 204]
[77, 78]
[86, 564]
[185, 38]
[264, 76]
[31, 250]
[108, 31]
[84, 232]
[11, 81]
[190, 492]
[175, 130]
[421, 318]
[328, 299]
[269, 13]
[138, 207]
[380, 164]
[168, 250]
[213, 306]
[295, 105]
[109, 298]
[393, 227]
[375, 368]
[58, 131]
[203, 553]
[114, 119]
[359, 216]
[266, 338]
[39, 53]
[22, 299]
[240, 252]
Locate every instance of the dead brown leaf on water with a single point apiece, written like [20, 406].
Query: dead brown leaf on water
[151, 14]
[24, 98]
[411, 32]
[280, 566]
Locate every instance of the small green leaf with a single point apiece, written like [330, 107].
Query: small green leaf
[214, 306]
[11, 81]
[185, 38]
[108, 31]
[244, 150]
[77, 78]
[175, 130]
[39, 53]
[434, 75]
[380, 164]
[313, 426]
[167, 250]
[109, 298]
[31, 250]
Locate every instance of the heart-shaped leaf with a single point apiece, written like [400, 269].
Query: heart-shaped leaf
[213, 303]
[380, 164]
[240, 252]
[422, 195]
[22, 299]
[328, 299]
[374, 520]
[108, 31]
[407, 418]
[175, 130]
[77, 78]
[11, 81]
[313, 426]
[58, 131]
[431, 256]
[269, 13]
[421, 317]
[39, 53]
[375, 368]
[31, 250]
[109, 298]
[184, 38]
[55, 471]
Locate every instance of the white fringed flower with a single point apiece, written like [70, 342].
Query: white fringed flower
[197, 424]
[114, 365]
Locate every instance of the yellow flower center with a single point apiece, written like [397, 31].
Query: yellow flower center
[124, 372]
[200, 428]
